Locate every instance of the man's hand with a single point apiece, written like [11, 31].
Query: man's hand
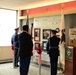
[12, 47]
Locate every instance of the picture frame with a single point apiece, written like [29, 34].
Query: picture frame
[37, 34]
[46, 33]
[44, 43]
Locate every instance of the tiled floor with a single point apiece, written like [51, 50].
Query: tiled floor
[6, 69]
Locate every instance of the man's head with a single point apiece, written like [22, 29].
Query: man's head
[25, 28]
[16, 29]
[54, 32]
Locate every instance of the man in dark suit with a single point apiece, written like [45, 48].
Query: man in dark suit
[26, 47]
[15, 47]
[53, 51]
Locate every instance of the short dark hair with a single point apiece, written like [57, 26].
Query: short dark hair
[17, 28]
[25, 27]
[54, 31]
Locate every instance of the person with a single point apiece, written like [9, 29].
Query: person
[15, 47]
[38, 48]
[25, 50]
[53, 51]
[39, 51]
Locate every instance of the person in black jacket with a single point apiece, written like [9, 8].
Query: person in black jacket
[15, 47]
[25, 50]
[53, 51]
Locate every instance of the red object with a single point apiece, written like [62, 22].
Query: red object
[39, 59]
[63, 30]
[12, 54]
[39, 50]
[12, 47]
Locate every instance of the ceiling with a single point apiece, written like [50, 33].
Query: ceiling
[27, 4]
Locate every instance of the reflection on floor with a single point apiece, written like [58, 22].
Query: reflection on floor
[6, 69]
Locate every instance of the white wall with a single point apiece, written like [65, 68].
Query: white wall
[49, 22]
[7, 26]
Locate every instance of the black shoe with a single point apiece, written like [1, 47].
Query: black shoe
[17, 66]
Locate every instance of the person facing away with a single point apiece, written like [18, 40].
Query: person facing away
[25, 50]
[15, 47]
[53, 51]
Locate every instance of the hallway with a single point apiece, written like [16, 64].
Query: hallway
[6, 69]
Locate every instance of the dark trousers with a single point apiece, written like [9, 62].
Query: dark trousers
[16, 57]
[53, 65]
[24, 65]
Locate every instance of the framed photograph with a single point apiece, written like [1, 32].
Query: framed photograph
[44, 43]
[46, 33]
[37, 34]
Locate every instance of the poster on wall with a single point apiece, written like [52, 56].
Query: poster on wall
[37, 34]
[46, 33]
[72, 33]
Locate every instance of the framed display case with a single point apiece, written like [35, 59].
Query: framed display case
[72, 33]
[46, 33]
[44, 43]
[69, 53]
[37, 34]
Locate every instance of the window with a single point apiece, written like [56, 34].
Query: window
[7, 25]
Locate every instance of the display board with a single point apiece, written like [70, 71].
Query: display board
[72, 35]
